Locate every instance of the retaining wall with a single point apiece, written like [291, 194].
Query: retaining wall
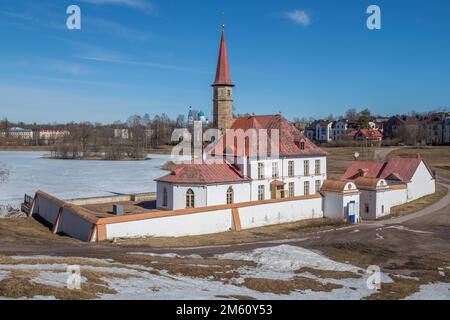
[77, 222]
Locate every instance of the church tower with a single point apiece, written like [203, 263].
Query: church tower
[223, 90]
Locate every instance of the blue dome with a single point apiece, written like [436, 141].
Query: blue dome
[201, 114]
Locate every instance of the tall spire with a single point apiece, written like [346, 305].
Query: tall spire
[223, 75]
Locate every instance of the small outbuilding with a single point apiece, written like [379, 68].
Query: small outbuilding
[340, 200]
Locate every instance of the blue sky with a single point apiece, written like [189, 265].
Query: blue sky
[305, 58]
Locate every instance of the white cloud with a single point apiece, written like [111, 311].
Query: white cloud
[144, 5]
[116, 29]
[299, 17]
[73, 69]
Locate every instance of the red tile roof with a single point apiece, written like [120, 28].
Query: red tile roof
[203, 173]
[290, 138]
[223, 75]
[396, 168]
[367, 133]
[370, 133]
[351, 133]
[277, 183]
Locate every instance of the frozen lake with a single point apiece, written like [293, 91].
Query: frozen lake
[75, 178]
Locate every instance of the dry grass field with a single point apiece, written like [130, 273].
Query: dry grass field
[437, 157]
[339, 158]
[418, 204]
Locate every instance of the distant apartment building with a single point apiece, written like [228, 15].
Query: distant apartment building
[434, 129]
[429, 129]
[320, 131]
[122, 133]
[18, 133]
[379, 123]
[446, 131]
[48, 135]
[407, 128]
[339, 128]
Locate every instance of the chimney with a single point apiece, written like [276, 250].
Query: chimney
[118, 210]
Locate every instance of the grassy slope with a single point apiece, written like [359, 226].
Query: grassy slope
[437, 157]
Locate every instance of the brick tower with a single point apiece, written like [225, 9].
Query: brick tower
[223, 90]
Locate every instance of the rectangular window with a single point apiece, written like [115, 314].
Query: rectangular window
[274, 169]
[318, 186]
[261, 193]
[306, 188]
[317, 167]
[291, 189]
[291, 168]
[306, 167]
[260, 170]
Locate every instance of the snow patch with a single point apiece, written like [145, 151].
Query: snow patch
[287, 258]
[432, 291]
[54, 279]
[4, 275]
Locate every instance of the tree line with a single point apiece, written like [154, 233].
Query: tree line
[129, 139]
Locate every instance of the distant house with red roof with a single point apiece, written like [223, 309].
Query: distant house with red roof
[370, 136]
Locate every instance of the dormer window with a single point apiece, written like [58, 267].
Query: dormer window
[302, 145]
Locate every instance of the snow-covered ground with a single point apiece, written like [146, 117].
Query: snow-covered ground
[278, 262]
[287, 258]
[66, 179]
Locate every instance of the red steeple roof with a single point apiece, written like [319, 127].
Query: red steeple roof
[223, 75]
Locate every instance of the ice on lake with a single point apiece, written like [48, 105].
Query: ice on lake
[67, 179]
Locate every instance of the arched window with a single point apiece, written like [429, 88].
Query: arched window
[164, 197]
[230, 195]
[190, 199]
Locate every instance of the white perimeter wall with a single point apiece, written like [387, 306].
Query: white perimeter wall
[377, 199]
[46, 209]
[217, 220]
[173, 226]
[74, 226]
[389, 199]
[69, 224]
[280, 212]
[422, 183]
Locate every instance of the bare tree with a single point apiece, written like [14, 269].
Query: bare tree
[352, 115]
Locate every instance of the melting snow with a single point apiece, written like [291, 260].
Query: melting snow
[4, 275]
[432, 291]
[286, 258]
[55, 279]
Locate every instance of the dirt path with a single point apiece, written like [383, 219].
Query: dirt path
[382, 153]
